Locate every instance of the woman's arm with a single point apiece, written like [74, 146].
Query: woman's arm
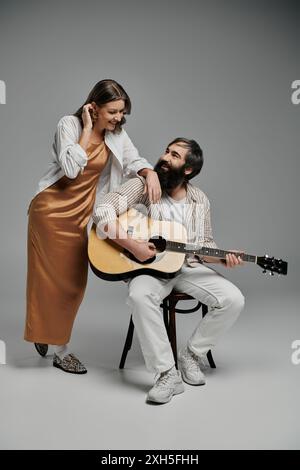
[87, 126]
[152, 186]
[134, 165]
[70, 155]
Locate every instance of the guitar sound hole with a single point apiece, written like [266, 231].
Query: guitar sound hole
[159, 242]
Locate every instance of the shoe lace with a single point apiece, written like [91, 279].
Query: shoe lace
[163, 380]
[194, 362]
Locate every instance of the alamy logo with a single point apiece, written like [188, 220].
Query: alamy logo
[2, 92]
[296, 94]
[2, 352]
[295, 357]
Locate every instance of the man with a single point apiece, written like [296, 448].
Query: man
[187, 204]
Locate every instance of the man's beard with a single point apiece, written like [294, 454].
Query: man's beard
[171, 178]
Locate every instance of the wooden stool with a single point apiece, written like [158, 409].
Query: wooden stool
[169, 310]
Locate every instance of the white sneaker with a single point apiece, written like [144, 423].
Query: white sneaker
[168, 384]
[189, 365]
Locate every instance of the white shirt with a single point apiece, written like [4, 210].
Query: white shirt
[173, 209]
[69, 158]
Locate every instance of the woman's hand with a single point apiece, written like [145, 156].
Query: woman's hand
[152, 186]
[86, 116]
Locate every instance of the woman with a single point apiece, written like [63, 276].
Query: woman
[92, 154]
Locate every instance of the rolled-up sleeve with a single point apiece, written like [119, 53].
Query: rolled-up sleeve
[132, 161]
[115, 203]
[71, 157]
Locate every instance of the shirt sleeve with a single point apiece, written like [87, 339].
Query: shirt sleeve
[132, 161]
[115, 203]
[208, 235]
[71, 157]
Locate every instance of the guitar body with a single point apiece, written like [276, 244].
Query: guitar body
[111, 262]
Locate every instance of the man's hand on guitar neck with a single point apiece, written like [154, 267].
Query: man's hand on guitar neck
[231, 260]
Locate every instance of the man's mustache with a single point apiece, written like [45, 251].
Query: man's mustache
[161, 163]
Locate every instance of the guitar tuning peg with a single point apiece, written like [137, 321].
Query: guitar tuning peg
[271, 273]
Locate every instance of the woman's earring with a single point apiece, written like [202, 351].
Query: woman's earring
[95, 115]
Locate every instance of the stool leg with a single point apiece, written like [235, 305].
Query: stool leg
[166, 314]
[210, 360]
[172, 330]
[209, 354]
[128, 343]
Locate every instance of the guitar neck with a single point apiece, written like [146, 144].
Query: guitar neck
[189, 248]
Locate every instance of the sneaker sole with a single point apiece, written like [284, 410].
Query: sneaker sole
[69, 371]
[179, 389]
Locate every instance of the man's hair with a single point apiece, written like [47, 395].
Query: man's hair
[194, 157]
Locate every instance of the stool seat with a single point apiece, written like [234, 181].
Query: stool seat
[169, 312]
[179, 296]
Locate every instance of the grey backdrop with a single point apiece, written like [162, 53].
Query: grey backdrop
[219, 72]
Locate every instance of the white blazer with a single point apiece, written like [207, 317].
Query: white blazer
[69, 158]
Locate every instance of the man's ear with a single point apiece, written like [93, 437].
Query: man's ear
[188, 170]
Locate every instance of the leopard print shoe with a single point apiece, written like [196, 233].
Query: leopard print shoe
[69, 363]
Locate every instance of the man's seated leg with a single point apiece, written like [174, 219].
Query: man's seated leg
[145, 296]
[225, 302]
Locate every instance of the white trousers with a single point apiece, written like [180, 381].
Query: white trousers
[224, 300]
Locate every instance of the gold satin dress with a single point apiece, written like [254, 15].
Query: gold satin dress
[57, 258]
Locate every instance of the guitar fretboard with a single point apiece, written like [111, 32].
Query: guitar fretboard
[204, 251]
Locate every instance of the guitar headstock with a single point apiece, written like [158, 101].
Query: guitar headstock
[272, 265]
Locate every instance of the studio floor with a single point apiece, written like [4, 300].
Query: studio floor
[250, 401]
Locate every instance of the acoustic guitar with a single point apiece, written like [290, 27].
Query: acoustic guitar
[111, 262]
